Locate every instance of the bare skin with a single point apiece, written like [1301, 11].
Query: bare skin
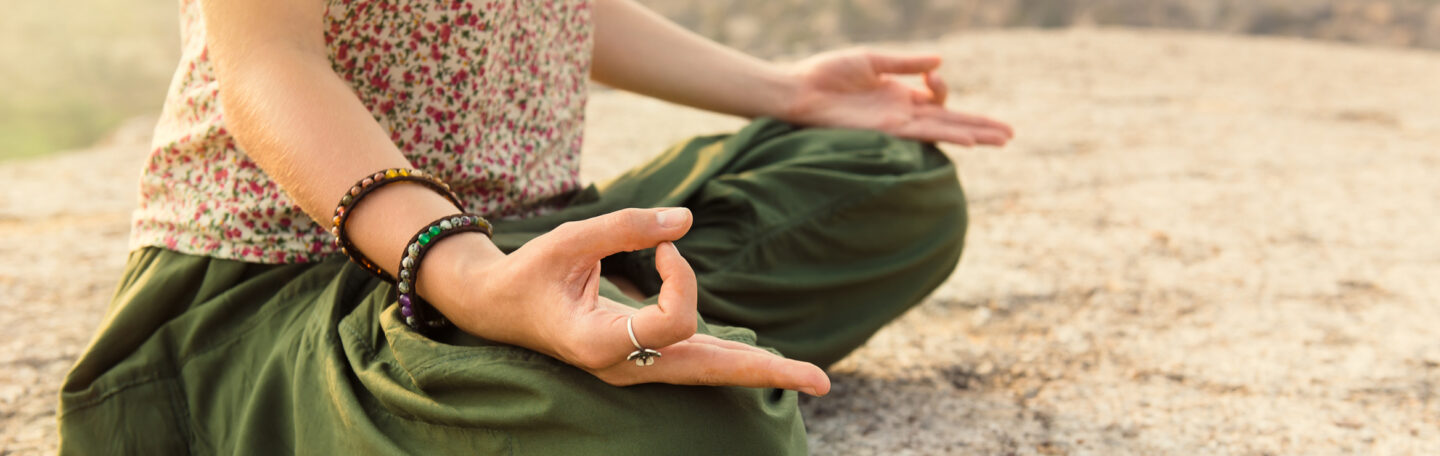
[305, 127]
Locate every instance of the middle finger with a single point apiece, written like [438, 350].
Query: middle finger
[701, 363]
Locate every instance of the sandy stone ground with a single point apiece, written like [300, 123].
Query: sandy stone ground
[1198, 245]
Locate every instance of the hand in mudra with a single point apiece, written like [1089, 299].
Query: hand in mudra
[544, 297]
[858, 89]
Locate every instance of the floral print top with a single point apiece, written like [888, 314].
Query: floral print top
[487, 95]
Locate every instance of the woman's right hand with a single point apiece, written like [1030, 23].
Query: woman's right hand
[545, 297]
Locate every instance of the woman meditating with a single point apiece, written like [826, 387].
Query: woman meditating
[361, 231]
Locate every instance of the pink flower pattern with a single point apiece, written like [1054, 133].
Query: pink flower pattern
[487, 95]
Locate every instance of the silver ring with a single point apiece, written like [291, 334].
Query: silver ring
[641, 356]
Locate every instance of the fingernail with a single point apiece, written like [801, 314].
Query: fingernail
[808, 390]
[671, 218]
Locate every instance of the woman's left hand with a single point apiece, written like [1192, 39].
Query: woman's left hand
[858, 89]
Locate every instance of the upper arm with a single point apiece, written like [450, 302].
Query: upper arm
[244, 32]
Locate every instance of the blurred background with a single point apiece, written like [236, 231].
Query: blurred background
[76, 70]
[1213, 234]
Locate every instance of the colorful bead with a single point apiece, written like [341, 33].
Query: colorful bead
[345, 201]
[390, 173]
[367, 182]
[412, 306]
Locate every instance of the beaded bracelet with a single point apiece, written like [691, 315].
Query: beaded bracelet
[364, 187]
[415, 309]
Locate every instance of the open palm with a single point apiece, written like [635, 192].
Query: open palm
[858, 89]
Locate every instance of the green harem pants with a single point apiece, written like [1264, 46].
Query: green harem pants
[805, 241]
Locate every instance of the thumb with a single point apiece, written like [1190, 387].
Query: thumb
[593, 239]
[903, 64]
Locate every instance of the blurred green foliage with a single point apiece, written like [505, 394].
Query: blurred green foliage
[74, 70]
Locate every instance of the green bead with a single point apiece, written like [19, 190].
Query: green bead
[345, 200]
[425, 239]
[434, 231]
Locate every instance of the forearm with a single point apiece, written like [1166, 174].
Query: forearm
[302, 124]
[640, 51]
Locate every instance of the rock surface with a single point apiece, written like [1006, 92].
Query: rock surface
[1198, 244]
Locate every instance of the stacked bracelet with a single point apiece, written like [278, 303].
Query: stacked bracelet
[415, 310]
[364, 187]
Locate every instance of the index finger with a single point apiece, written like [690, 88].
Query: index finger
[938, 90]
[606, 335]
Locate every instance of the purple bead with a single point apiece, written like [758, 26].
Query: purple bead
[405, 307]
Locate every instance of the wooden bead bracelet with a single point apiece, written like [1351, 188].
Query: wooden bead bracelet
[364, 187]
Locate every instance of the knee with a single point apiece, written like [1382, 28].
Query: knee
[907, 191]
[927, 201]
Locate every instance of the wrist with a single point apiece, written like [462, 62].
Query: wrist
[783, 92]
[453, 261]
